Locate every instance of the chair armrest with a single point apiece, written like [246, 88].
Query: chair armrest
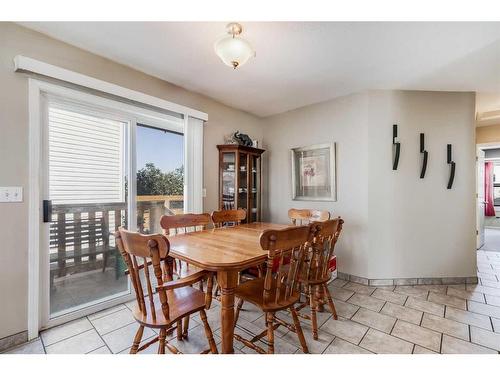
[185, 281]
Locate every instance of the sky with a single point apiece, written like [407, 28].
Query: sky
[164, 149]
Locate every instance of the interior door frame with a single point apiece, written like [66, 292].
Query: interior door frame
[37, 310]
[485, 146]
[480, 216]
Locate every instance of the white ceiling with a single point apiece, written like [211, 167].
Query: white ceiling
[298, 63]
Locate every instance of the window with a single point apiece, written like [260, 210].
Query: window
[496, 184]
[160, 176]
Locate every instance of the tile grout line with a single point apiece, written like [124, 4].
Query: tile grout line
[394, 325]
[399, 338]
[43, 344]
[98, 334]
[66, 338]
[359, 343]
[116, 329]
[108, 314]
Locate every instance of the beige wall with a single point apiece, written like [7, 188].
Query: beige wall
[397, 225]
[418, 228]
[16, 40]
[488, 134]
[343, 121]
[487, 101]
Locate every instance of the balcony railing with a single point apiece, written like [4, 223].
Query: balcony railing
[81, 235]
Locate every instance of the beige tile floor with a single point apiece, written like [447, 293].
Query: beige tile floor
[404, 319]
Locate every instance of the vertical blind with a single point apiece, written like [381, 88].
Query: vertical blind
[86, 152]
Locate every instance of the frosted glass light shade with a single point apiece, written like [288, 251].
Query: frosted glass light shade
[233, 51]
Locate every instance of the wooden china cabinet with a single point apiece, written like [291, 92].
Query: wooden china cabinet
[240, 179]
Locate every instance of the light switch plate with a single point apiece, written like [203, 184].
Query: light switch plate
[9, 194]
[204, 193]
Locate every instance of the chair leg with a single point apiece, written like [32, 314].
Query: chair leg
[319, 299]
[201, 286]
[314, 309]
[298, 329]
[185, 327]
[237, 313]
[208, 332]
[161, 343]
[137, 340]
[270, 333]
[330, 302]
[179, 330]
[208, 294]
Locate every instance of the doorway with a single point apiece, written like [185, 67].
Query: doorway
[488, 197]
[104, 167]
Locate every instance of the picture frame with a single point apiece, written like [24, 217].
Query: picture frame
[314, 172]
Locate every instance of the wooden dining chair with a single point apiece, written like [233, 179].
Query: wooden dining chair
[306, 216]
[224, 218]
[279, 289]
[318, 271]
[185, 223]
[164, 302]
[228, 217]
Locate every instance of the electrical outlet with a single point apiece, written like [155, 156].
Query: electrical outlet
[10, 194]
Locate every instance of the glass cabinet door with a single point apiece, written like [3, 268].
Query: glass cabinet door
[254, 190]
[243, 180]
[228, 180]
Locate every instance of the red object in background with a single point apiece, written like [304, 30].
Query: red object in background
[332, 264]
[489, 207]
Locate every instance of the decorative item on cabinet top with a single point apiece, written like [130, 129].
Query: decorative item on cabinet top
[396, 147]
[425, 155]
[238, 138]
[452, 166]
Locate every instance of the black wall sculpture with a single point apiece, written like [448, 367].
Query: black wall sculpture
[452, 166]
[396, 147]
[425, 155]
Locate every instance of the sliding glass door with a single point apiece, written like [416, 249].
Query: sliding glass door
[86, 204]
[104, 168]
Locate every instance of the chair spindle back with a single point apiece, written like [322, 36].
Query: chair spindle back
[138, 251]
[321, 252]
[228, 217]
[307, 216]
[185, 223]
[287, 248]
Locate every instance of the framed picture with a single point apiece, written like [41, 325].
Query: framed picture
[313, 173]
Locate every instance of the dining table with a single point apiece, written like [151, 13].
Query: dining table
[225, 251]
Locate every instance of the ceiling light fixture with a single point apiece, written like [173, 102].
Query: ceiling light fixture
[233, 50]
